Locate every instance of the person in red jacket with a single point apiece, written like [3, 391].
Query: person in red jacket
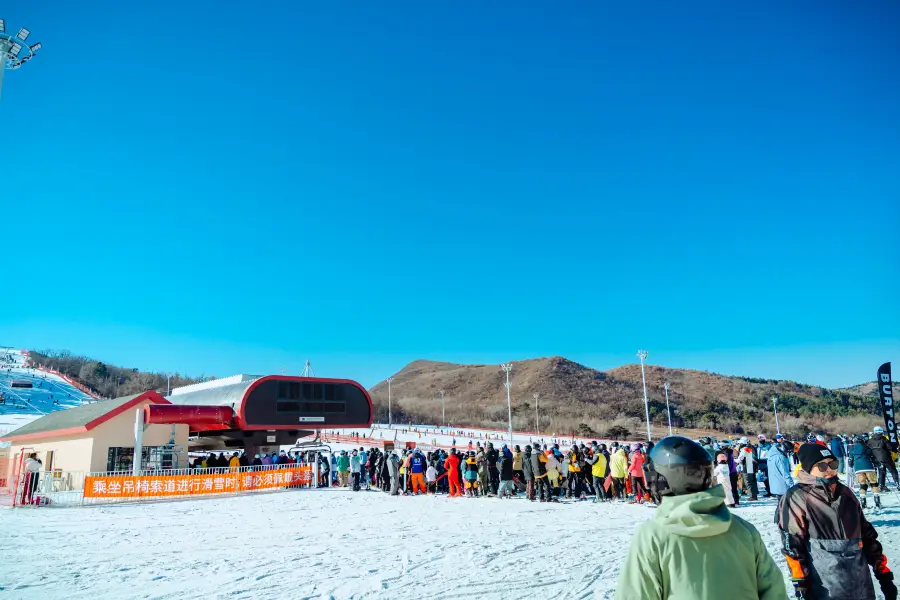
[452, 466]
[636, 470]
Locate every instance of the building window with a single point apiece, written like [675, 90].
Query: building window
[153, 458]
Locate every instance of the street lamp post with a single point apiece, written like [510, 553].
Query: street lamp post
[389, 380]
[14, 52]
[642, 354]
[443, 412]
[508, 367]
[168, 385]
[537, 418]
[668, 412]
[775, 406]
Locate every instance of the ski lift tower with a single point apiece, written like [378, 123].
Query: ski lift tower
[308, 371]
[14, 52]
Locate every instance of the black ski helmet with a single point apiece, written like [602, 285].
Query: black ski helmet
[677, 466]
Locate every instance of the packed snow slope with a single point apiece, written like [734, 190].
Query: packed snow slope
[324, 544]
[48, 393]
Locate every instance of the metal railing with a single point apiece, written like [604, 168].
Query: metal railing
[81, 488]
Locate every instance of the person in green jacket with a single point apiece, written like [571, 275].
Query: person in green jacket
[343, 465]
[693, 547]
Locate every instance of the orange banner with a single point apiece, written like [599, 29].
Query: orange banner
[158, 486]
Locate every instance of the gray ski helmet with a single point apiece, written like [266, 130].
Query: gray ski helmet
[677, 466]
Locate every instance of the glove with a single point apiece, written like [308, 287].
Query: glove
[886, 581]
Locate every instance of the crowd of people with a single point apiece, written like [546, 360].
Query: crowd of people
[831, 548]
[694, 547]
[747, 469]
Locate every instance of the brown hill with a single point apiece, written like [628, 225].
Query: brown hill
[573, 397]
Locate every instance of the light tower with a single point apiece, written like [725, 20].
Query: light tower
[389, 380]
[443, 412]
[537, 418]
[642, 354]
[508, 367]
[14, 52]
[668, 412]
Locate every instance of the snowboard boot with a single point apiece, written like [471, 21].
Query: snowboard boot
[877, 501]
[862, 502]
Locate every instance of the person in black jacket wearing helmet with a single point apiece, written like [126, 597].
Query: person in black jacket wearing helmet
[828, 543]
[881, 449]
[492, 457]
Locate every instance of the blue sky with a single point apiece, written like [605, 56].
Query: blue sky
[212, 187]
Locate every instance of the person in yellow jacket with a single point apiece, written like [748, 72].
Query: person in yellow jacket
[234, 463]
[618, 470]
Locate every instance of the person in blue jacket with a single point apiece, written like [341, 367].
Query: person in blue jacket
[863, 462]
[837, 448]
[780, 480]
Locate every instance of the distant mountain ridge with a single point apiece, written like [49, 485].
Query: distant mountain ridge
[576, 398]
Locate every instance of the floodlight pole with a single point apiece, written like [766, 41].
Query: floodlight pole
[668, 412]
[537, 418]
[443, 412]
[642, 354]
[4, 48]
[389, 380]
[508, 367]
[14, 51]
[775, 406]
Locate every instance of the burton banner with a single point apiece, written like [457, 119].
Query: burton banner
[886, 393]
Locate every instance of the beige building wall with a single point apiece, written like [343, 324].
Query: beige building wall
[70, 453]
[119, 432]
[89, 451]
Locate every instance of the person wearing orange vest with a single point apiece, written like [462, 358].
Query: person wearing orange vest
[452, 466]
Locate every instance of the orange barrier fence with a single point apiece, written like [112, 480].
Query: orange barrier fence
[159, 486]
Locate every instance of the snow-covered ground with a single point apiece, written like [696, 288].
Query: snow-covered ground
[323, 544]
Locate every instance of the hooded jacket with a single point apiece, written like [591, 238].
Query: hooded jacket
[393, 464]
[881, 449]
[861, 458]
[693, 547]
[618, 464]
[747, 460]
[828, 542]
[517, 461]
[598, 465]
[343, 463]
[506, 465]
[538, 464]
[527, 467]
[637, 465]
[452, 465]
[837, 447]
[780, 480]
[491, 457]
[355, 463]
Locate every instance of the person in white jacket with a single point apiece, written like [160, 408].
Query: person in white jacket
[32, 468]
[748, 462]
[356, 464]
[724, 478]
